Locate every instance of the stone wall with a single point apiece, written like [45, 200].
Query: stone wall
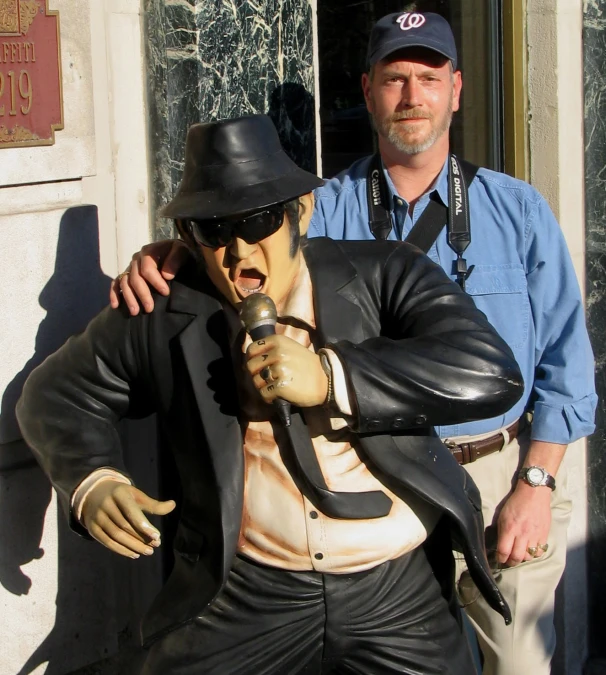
[594, 39]
[70, 216]
[210, 60]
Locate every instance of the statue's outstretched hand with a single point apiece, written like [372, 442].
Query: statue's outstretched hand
[114, 515]
[151, 267]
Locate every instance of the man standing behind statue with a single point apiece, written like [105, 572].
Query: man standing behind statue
[522, 279]
[299, 547]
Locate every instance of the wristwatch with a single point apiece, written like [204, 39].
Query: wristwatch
[536, 476]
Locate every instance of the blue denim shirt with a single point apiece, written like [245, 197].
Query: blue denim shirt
[523, 281]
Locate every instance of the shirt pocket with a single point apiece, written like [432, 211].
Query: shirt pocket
[501, 292]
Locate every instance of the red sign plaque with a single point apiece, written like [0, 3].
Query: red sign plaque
[31, 100]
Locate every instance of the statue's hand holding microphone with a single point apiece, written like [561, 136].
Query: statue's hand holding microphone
[283, 371]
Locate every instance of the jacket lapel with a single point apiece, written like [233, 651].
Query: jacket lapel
[338, 314]
[205, 348]
[419, 463]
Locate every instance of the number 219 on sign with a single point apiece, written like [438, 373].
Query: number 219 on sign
[15, 92]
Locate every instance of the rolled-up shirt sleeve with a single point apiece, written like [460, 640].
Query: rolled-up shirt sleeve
[564, 387]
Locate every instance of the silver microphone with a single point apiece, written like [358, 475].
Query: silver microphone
[259, 316]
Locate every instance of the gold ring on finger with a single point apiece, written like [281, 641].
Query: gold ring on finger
[532, 550]
[122, 275]
[544, 547]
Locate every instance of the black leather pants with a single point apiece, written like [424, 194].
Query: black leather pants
[267, 621]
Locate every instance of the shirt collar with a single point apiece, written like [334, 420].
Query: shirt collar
[300, 302]
[440, 186]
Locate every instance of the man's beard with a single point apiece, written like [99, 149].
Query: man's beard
[389, 128]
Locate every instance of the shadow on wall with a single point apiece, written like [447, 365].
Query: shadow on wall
[292, 110]
[99, 597]
[77, 291]
[73, 295]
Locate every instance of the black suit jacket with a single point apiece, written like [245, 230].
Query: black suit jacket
[416, 353]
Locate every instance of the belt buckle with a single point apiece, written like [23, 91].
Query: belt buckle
[451, 445]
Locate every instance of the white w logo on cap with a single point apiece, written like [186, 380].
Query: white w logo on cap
[410, 20]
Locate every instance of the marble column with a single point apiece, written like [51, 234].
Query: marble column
[594, 38]
[215, 59]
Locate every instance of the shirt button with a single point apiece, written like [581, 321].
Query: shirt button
[399, 202]
[319, 556]
[313, 514]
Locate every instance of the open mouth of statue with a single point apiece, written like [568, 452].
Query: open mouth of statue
[249, 281]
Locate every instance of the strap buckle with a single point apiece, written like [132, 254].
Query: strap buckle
[461, 271]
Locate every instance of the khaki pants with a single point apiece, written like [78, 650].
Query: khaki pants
[526, 646]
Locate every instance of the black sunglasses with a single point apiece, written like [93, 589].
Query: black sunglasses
[251, 229]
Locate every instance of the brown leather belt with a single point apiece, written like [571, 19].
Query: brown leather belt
[465, 453]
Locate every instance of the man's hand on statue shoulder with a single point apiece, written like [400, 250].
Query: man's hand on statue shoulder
[282, 368]
[151, 267]
[114, 514]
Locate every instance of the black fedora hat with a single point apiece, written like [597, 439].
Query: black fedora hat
[233, 167]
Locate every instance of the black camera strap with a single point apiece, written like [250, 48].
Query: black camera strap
[436, 215]
[377, 193]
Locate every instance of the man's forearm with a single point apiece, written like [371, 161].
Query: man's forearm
[548, 456]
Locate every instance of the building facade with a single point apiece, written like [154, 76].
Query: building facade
[133, 75]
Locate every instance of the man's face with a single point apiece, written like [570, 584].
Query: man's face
[240, 269]
[411, 98]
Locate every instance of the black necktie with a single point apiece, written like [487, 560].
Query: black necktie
[304, 467]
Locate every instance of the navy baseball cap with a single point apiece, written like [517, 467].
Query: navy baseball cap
[411, 29]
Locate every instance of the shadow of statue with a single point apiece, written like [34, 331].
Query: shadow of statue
[77, 290]
[25, 494]
[292, 110]
[99, 596]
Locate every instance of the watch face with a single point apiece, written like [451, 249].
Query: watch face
[535, 475]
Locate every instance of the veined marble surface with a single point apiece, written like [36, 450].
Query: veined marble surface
[216, 59]
[594, 39]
